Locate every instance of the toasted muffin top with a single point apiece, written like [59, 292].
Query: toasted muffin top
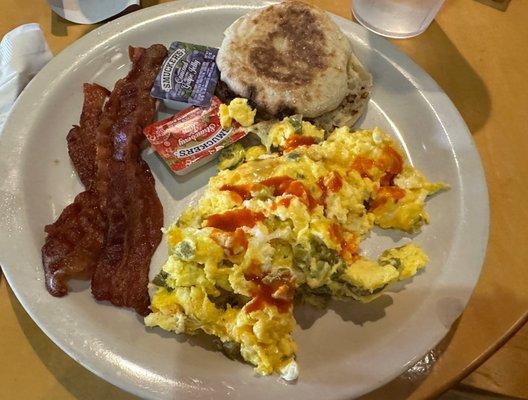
[286, 58]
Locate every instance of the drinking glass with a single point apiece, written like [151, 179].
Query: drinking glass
[396, 18]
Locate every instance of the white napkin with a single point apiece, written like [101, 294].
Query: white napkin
[23, 53]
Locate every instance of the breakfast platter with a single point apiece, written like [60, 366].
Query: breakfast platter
[300, 185]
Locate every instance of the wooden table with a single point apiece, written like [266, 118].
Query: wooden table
[479, 56]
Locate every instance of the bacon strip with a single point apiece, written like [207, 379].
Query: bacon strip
[135, 218]
[74, 241]
[81, 138]
[126, 186]
[111, 231]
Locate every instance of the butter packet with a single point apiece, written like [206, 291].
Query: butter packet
[192, 137]
[188, 76]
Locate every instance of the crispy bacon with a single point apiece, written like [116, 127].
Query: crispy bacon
[135, 218]
[126, 186]
[73, 243]
[111, 230]
[81, 138]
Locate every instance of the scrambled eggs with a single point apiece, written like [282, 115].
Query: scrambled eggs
[238, 110]
[283, 225]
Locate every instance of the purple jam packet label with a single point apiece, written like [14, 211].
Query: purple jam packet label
[188, 75]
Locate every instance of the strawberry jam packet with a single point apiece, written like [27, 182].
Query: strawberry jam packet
[192, 137]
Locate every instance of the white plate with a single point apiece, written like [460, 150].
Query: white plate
[348, 350]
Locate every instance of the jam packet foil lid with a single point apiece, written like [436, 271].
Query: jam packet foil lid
[188, 75]
[192, 137]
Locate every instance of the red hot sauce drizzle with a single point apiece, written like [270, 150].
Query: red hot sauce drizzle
[390, 161]
[229, 221]
[286, 185]
[332, 182]
[232, 242]
[383, 195]
[298, 140]
[349, 249]
[296, 188]
[285, 201]
[244, 191]
[263, 292]
[279, 184]
[363, 165]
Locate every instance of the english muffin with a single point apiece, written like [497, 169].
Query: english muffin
[291, 58]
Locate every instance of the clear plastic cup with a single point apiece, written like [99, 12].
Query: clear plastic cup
[396, 18]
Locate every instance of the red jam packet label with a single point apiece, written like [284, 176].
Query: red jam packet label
[192, 137]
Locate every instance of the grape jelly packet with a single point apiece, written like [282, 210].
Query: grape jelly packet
[188, 76]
